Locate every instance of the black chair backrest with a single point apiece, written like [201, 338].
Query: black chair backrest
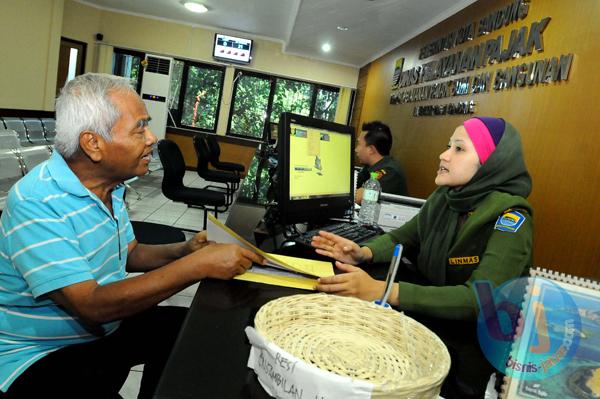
[213, 148]
[173, 166]
[202, 152]
[154, 233]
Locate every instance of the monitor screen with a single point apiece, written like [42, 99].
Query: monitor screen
[315, 169]
[232, 49]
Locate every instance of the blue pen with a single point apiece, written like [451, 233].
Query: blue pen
[389, 281]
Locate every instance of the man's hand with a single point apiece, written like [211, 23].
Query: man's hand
[340, 249]
[225, 261]
[358, 195]
[355, 282]
[197, 242]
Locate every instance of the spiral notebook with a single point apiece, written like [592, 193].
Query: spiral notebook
[572, 370]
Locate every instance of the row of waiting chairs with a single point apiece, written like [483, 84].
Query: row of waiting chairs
[31, 131]
[24, 143]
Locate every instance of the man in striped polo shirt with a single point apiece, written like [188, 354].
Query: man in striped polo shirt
[71, 324]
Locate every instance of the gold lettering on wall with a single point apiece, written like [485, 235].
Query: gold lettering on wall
[522, 42]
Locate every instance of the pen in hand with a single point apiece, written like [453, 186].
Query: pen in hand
[391, 275]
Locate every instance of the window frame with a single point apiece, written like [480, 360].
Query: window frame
[264, 76]
[324, 88]
[183, 89]
[133, 53]
[273, 82]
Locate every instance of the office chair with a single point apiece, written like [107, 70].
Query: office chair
[9, 140]
[18, 126]
[172, 183]
[35, 131]
[154, 233]
[11, 170]
[229, 179]
[215, 152]
[49, 129]
[32, 156]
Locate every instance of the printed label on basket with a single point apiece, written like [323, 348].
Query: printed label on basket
[285, 376]
[527, 328]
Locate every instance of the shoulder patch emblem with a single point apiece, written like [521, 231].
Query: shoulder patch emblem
[510, 221]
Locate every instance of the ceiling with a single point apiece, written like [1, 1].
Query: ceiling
[374, 26]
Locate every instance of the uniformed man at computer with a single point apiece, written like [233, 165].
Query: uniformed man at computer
[372, 149]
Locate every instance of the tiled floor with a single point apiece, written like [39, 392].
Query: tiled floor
[153, 206]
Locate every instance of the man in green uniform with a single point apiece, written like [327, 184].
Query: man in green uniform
[372, 149]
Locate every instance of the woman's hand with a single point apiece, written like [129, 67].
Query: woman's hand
[340, 249]
[355, 282]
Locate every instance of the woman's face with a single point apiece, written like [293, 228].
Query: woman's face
[459, 162]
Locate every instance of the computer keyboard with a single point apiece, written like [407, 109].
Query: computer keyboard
[351, 231]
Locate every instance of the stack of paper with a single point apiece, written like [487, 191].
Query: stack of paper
[286, 271]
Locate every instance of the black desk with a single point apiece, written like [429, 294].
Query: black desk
[210, 354]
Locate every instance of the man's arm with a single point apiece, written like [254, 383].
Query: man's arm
[358, 196]
[143, 258]
[96, 304]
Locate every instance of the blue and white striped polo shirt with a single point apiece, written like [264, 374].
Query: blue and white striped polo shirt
[55, 232]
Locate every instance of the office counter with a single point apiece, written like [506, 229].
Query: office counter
[210, 354]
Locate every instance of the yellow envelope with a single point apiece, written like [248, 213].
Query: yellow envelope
[285, 271]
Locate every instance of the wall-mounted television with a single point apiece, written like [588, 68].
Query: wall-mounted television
[232, 49]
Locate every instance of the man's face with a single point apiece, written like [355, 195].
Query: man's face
[362, 150]
[128, 153]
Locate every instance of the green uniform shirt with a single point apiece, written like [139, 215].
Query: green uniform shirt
[494, 243]
[389, 173]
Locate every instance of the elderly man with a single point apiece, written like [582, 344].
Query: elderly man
[71, 323]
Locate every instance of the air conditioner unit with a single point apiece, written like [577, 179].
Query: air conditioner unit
[155, 91]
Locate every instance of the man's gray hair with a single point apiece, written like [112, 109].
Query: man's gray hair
[84, 104]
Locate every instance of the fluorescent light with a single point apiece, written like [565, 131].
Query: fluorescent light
[342, 28]
[326, 47]
[195, 7]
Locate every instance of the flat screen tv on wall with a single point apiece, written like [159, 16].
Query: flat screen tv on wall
[232, 49]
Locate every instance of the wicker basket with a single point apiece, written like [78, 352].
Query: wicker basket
[357, 339]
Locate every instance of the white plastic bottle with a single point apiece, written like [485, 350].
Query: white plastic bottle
[369, 207]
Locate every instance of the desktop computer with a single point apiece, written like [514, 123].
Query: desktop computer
[315, 170]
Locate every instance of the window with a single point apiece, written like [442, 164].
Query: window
[249, 108]
[291, 96]
[203, 86]
[258, 100]
[175, 84]
[128, 63]
[195, 94]
[326, 104]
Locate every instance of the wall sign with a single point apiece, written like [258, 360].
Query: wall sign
[433, 80]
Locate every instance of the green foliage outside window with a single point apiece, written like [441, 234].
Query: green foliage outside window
[201, 98]
[250, 106]
[326, 105]
[249, 190]
[291, 96]
[251, 102]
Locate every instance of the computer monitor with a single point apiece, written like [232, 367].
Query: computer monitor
[397, 210]
[315, 179]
